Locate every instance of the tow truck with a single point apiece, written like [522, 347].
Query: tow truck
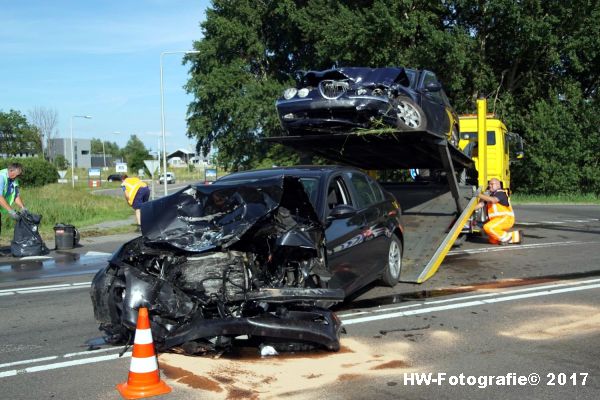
[435, 212]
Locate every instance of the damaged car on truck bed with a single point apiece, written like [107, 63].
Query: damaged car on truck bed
[343, 99]
[258, 257]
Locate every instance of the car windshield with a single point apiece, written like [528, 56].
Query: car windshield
[411, 76]
[311, 186]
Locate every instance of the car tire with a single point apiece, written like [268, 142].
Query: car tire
[110, 180]
[409, 115]
[391, 273]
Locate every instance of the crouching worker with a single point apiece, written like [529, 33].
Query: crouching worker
[501, 216]
[136, 194]
[9, 191]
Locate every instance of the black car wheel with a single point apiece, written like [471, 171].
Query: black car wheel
[391, 274]
[409, 115]
[110, 179]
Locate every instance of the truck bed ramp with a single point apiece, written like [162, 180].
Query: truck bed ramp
[431, 225]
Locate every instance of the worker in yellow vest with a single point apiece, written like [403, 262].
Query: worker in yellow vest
[136, 193]
[500, 213]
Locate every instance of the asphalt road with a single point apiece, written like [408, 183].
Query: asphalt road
[503, 312]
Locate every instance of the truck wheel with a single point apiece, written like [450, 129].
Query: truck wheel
[409, 116]
[391, 274]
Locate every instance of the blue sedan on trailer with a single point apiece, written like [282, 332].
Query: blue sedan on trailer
[344, 99]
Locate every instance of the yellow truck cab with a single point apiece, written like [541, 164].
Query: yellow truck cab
[502, 147]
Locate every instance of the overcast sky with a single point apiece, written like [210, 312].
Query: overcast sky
[100, 58]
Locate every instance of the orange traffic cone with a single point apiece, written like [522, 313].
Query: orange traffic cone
[144, 379]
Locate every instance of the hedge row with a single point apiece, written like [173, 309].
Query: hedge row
[36, 171]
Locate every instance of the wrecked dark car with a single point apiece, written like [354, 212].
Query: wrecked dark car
[258, 256]
[343, 99]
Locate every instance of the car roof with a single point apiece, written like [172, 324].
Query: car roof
[298, 170]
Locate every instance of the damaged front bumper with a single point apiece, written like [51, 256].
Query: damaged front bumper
[347, 112]
[281, 315]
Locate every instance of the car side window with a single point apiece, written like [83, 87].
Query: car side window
[364, 191]
[376, 190]
[431, 78]
[337, 194]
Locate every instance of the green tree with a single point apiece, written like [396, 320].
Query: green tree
[135, 153]
[60, 162]
[96, 146]
[536, 61]
[17, 136]
[110, 148]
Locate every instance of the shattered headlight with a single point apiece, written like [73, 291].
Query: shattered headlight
[289, 93]
[303, 92]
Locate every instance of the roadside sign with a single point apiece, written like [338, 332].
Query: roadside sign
[121, 167]
[93, 172]
[152, 166]
[62, 174]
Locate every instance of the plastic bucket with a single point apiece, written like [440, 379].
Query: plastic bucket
[65, 236]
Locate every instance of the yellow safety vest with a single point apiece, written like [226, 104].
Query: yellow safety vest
[496, 210]
[10, 199]
[132, 185]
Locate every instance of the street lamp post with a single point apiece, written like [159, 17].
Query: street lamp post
[104, 154]
[162, 111]
[72, 152]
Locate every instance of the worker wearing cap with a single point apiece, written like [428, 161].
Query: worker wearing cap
[136, 193]
[9, 191]
[500, 213]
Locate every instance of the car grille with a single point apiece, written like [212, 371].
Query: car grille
[333, 89]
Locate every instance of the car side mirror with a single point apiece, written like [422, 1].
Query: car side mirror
[342, 211]
[433, 87]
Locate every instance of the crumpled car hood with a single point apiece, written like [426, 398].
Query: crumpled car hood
[190, 219]
[364, 76]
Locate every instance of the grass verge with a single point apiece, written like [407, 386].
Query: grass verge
[60, 203]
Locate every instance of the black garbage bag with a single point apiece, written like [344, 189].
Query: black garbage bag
[27, 240]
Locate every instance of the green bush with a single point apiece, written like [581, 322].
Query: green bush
[61, 162]
[36, 171]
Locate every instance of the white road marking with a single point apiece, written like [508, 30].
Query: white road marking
[97, 253]
[546, 292]
[33, 360]
[470, 297]
[33, 258]
[62, 364]
[88, 352]
[49, 288]
[519, 247]
[564, 221]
